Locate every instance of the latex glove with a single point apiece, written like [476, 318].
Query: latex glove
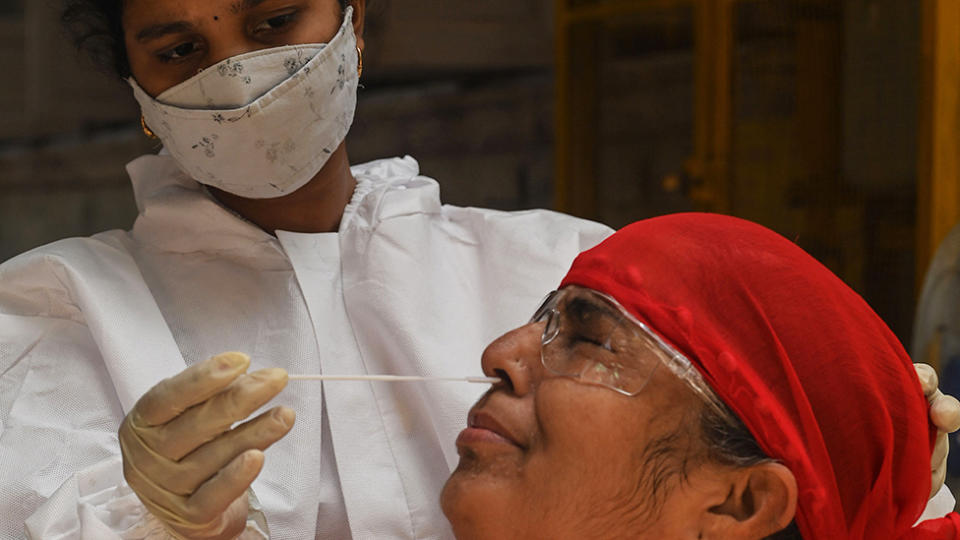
[945, 414]
[181, 457]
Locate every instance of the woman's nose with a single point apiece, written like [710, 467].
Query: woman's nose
[515, 358]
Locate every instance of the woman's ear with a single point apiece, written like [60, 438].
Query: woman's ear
[762, 500]
[359, 17]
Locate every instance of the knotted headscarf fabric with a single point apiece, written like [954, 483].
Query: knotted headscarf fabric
[815, 375]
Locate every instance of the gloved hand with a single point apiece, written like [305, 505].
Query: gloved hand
[181, 457]
[945, 414]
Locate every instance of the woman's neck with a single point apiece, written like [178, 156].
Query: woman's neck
[316, 207]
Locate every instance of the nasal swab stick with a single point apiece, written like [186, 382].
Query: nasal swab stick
[392, 378]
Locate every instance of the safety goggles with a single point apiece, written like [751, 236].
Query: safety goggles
[589, 337]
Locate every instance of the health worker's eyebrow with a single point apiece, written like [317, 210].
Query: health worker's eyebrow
[250, 4]
[157, 31]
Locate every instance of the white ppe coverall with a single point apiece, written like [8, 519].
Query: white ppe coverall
[406, 287]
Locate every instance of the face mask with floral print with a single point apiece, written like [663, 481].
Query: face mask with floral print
[262, 124]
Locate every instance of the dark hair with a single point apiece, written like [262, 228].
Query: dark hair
[707, 434]
[729, 442]
[96, 27]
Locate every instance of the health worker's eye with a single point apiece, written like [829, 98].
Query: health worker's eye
[276, 23]
[179, 52]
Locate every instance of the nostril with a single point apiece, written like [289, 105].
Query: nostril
[504, 377]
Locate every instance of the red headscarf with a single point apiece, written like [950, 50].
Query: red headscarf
[815, 375]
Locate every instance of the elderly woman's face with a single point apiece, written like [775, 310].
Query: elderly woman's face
[169, 41]
[552, 457]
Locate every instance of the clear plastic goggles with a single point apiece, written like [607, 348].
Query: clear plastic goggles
[590, 337]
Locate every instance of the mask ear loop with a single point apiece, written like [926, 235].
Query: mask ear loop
[359, 62]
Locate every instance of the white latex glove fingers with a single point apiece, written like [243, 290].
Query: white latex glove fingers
[938, 462]
[945, 415]
[937, 481]
[210, 501]
[167, 463]
[204, 462]
[170, 397]
[185, 476]
[212, 520]
[142, 466]
[162, 503]
[229, 525]
[940, 448]
[944, 409]
[945, 412]
[928, 379]
[204, 422]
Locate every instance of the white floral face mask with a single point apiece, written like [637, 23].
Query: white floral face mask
[262, 124]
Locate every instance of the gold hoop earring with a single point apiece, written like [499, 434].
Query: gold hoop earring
[146, 129]
[359, 62]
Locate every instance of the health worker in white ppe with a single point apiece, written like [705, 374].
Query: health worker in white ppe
[256, 235]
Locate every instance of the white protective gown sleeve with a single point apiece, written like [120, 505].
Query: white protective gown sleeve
[407, 286]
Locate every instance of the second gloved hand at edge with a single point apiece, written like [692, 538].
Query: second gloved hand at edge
[945, 415]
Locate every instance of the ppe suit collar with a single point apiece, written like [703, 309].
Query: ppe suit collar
[177, 213]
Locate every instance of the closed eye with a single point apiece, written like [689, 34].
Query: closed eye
[592, 341]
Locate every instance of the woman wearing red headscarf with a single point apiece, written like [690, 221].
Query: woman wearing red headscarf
[698, 376]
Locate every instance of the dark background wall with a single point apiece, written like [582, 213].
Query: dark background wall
[465, 87]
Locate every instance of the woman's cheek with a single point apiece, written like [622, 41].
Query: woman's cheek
[570, 411]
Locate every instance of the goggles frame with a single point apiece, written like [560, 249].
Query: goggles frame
[674, 360]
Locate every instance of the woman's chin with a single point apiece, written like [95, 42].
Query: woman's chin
[473, 503]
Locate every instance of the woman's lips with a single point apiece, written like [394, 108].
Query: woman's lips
[482, 428]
